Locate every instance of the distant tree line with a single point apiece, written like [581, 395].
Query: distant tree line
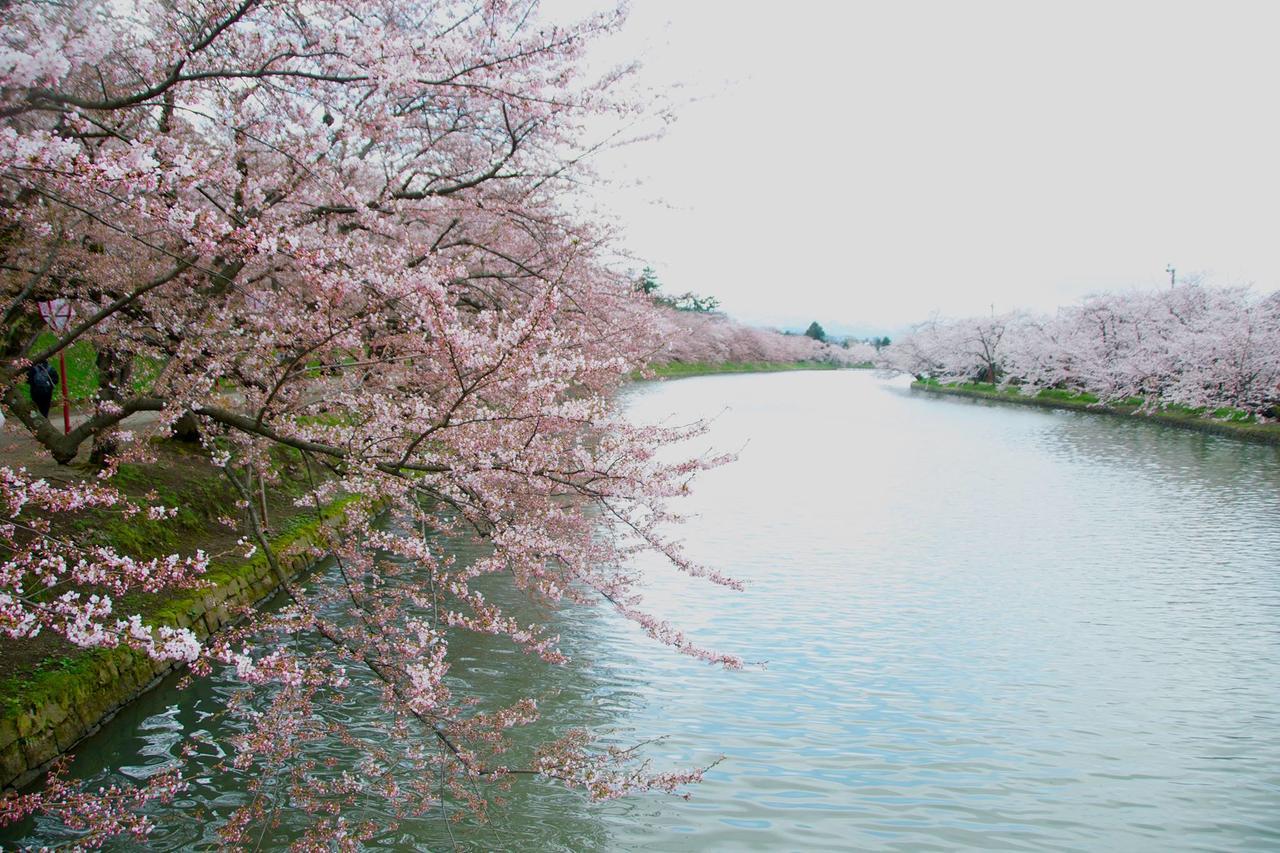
[647, 283]
[818, 333]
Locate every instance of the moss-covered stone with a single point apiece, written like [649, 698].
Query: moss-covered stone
[39, 749]
[8, 733]
[25, 723]
[67, 732]
[13, 763]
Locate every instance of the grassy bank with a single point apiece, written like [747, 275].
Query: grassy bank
[52, 693]
[681, 369]
[1227, 422]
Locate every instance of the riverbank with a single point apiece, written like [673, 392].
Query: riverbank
[54, 694]
[1054, 399]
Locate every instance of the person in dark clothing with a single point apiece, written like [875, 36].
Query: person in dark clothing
[42, 378]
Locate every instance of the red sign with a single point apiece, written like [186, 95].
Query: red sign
[57, 313]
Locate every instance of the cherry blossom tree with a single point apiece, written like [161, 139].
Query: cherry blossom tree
[971, 349]
[1190, 345]
[347, 229]
[710, 337]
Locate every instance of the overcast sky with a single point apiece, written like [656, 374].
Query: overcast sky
[867, 163]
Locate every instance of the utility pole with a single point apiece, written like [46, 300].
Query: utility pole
[1172, 272]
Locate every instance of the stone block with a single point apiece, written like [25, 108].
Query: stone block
[54, 712]
[66, 733]
[96, 705]
[26, 723]
[39, 749]
[13, 763]
[145, 671]
[8, 733]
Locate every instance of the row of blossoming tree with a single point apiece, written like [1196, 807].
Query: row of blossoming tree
[347, 229]
[711, 337]
[1190, 345]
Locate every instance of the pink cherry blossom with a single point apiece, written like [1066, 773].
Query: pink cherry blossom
[345, 229]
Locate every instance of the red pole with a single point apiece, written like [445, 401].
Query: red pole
[66, 404]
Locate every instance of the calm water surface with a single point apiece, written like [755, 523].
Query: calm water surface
[979, 627]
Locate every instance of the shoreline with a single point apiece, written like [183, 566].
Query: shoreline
[1253, 432]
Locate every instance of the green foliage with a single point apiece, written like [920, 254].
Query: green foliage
[1065, 394]
[54, 664]
[691, 301]
[1237, 416]
[647, 283]
[816, 331]
[878, 342]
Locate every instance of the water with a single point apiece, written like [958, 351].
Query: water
[981, 627]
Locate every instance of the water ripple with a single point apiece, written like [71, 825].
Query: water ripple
[985, 628]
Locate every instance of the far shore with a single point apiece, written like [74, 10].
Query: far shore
[1265, 433]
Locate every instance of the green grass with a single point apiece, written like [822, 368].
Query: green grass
[82, 370]
[55, 680]
[1063, 394]
[680, 369]
[199, 502]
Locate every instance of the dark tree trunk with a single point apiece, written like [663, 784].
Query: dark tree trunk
[115, 372]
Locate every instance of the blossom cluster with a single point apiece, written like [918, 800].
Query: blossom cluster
[51, 581]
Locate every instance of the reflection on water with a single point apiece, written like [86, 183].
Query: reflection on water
[981, 627]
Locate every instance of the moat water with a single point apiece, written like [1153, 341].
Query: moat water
[980, 627]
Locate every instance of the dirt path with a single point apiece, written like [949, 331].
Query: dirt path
[19, 450]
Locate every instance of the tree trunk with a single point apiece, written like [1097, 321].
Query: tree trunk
[115, 372]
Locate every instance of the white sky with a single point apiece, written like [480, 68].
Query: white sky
[866, 163]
